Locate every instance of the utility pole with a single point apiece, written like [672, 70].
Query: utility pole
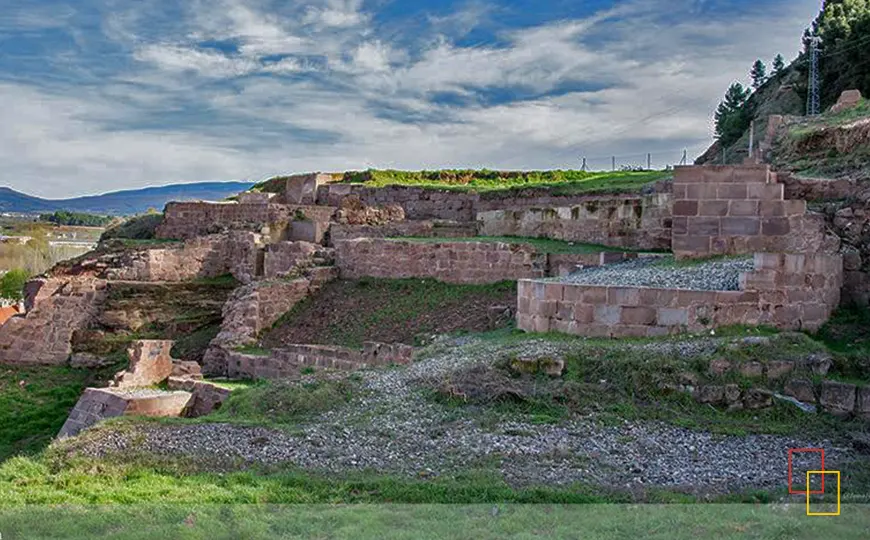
[614, 162]
[813, 92]
[583, 168]
[649, 162]
[685, 157]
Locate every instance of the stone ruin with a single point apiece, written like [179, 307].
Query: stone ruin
[283, 247]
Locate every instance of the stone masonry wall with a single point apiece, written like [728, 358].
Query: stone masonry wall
[233, 253]
[788, 291]
[287, 361]
[184, 220]
[635, 222]
[725, 210]
[452, 262]
[424, 204]
[418, 228]
[97, 404]
[59, 308]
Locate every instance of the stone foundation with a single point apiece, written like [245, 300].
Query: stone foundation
[205, 397]
[787, 291]
[98, 404]
[288, 361]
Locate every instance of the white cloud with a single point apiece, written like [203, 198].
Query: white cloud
[650, 89]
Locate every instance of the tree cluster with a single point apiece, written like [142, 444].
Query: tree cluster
[62, 217]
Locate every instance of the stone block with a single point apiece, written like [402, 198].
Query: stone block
[704, 226]
[150, 363]
[691, 244]
[608, 315]
[623, 296]
[743, 208]
[757, 398]
[731, 192]
[638, 315]
[838, 398]
[741, 225]
[672, 317]
[779, 369]
[714, 208]
[711, 394]
[751, 369]
[685, 208]
[719, 367]
[775, 227]
[767, 192]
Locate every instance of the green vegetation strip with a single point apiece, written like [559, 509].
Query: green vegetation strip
[543, 245]
[412, 522]
[559, 182]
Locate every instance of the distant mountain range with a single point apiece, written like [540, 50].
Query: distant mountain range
[120, 203]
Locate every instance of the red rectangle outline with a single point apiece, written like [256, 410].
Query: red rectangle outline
[791, 451]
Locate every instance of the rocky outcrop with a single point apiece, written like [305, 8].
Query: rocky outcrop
[150, 364]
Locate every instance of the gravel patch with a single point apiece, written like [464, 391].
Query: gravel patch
[714, 275]
[394, 428]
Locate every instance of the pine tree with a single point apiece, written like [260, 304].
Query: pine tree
[778, 64]
[758, 74]
[731, 117]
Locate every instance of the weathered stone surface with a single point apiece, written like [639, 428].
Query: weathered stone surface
[848, 99]
[719, 366]
[58, 307]
[186, 369]
[862, 405]
[752, 369]
[122, 320]
[732, 397]
[205, 397]
[150, 363]
[96, 404]
[838, 398]
[353, 211]
[87, 360]
[757, 398]
[800, 389]
[779, 369]
[819, 363]
[710, 394]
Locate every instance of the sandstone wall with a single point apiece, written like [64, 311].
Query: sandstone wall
[215, 255]
[425, 204]
[288, 361]
[97, 404]
[59, 308]
[786, 290]
[632, 222]
[452, 262]
[725, 210]
[184, 220]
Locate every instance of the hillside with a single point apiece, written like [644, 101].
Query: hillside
[134, 201]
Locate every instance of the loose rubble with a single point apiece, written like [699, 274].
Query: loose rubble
[392, 427]
[714, 275]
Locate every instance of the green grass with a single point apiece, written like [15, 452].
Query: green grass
[847, 333]
[448, 522]
[34, 403]
[284, 403]
[560, 182]
[389, 306]
[542, 245]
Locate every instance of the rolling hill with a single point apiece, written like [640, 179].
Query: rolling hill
[134, 201]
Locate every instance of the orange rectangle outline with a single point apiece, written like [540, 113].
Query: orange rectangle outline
[837, 513]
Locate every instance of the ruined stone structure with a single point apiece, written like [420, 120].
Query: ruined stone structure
[717, 210]
[629, 222]
[789, 291]
[289, 360]
[458, 262]
[100, 403]
[725, 210]
[56, 308]
[150, 364]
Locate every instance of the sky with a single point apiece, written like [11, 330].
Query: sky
[102, 95]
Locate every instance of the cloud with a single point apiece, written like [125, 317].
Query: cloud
[233, 90]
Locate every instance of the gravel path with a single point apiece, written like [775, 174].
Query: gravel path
[716, 275]
[394, 428]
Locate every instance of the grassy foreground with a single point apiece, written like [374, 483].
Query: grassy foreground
[654, 522]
